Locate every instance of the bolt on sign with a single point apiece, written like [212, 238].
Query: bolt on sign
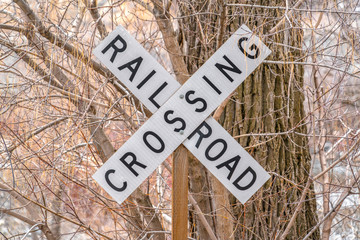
[181, 114]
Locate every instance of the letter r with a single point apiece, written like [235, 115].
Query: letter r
[113, 46]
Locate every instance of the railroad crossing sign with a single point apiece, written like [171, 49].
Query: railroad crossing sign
[179, 114]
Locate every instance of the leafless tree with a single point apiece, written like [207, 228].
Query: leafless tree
[63, 114]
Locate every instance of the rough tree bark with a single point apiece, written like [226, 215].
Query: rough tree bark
[273, 102]
[269, 101]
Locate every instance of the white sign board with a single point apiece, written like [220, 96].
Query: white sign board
[183, 113]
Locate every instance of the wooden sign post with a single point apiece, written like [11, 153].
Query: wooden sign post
[179, 201]
[181, 116]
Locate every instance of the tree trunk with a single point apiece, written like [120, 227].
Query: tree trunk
[269, 101]
[272, 102]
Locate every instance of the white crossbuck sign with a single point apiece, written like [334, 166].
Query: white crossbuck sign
[179, 114]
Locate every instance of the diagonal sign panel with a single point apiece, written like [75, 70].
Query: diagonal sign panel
[169, 126]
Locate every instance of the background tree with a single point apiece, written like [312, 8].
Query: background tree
[270, 101]
[63, 114]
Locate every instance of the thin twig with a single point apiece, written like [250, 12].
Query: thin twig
[331, 11]
[9, 158]
[202, 217]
